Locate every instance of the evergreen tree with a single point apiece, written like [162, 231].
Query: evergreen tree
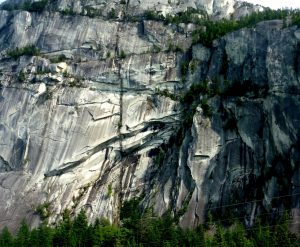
[64, 236]
[168, 229]
[106, 236]
[201, 237]
[34, 238]
[45, 234]
[262, 235]
[229, 239]
[148, 231]
[239, 235]
[6, 239]
[219, 237]
[89, 236]
[282, 235]
[80, 227]
[23, 236]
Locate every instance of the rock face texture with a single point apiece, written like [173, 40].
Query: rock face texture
[216, 8]
[90, 123]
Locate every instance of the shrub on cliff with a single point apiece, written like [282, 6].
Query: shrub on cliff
[29, 6]
[35, 6]
[29, 50]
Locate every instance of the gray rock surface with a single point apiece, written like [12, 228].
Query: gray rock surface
[216, 8]
[93, 131]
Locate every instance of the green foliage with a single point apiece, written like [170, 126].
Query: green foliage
[48, 94]
[211, 30]
[109, 191]
[66, 74]
[6, 239]
[86, 11]
[183, 208]
[29, 50]
[21, 76]
[67, 11]
[185, 68]
[219, 237]
[199, 93]
[145, 229]
[38, 6]
[91, 12]
[80, 229]
[194, 93]
[130, 212]
[23, 235]
[8, 6]
[282, 235]
[41, 236]
[122, 54]
[193, 66]
[105, 234]
[64, 234]
[43, 210]
[174, 48]
[160, 157]
[189, 16]
[45, 235]
[207, 111]
[296, 19]
[112, 14]
[153, 15]
[58, 59]
[75, 82]
[166, 93]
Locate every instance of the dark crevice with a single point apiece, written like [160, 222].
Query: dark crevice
[4, 165]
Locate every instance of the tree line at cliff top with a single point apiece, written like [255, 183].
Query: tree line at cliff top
[207, 31]
[138, 229]
[215, 29]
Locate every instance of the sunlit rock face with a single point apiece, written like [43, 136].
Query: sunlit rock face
[87, 123]
[216, 8]
[221, 8]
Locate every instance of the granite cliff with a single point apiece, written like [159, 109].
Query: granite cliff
[96, 117]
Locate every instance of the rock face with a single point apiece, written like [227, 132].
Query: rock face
[216, 8]
[95, 127]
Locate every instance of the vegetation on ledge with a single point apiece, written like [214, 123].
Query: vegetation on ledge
[29, 50]
[207, 31]
[38, 6]
[211, 30]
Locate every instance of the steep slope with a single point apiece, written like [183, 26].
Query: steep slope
[87, 123]
[216, 8]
